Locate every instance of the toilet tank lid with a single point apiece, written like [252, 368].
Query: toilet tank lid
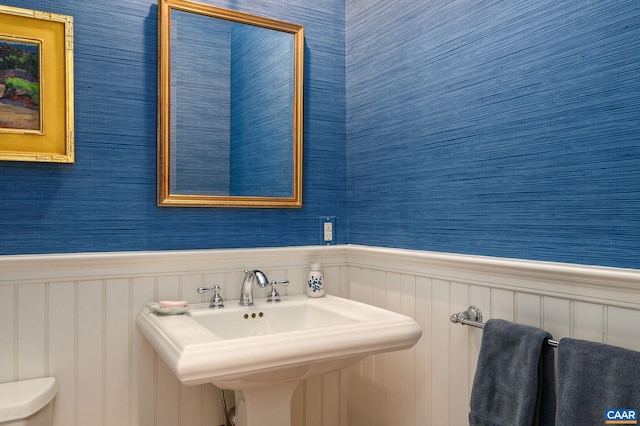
[23, 398]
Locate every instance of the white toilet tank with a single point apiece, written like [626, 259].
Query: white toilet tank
[27, 402]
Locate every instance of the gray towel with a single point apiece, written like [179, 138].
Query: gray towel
[514, 382]
[594, 377]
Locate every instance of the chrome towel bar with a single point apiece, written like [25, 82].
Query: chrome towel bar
[473, 317]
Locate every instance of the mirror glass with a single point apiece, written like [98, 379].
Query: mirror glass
[230, 119]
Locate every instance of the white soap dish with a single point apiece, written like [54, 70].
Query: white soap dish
[175, 310]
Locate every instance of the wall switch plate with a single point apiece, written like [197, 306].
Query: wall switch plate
[328, 229]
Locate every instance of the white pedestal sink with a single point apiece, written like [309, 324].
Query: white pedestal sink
[263, 351]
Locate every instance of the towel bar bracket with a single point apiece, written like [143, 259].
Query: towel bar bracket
[473, 313]
[473, 317]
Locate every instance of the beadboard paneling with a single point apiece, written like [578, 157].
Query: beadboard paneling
[80, 327]
[436, 376]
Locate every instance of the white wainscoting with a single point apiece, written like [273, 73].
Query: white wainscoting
[72, 317]
[430, 384]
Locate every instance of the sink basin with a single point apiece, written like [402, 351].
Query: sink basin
[264, 350]
[272, 319]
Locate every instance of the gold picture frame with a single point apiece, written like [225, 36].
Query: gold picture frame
[36, 86]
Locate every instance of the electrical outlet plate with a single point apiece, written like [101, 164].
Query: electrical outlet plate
[328, 229]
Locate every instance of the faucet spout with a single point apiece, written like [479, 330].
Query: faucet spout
[250, 277]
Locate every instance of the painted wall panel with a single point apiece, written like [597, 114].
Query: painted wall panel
[440, 353]
[588, 321]
[557, 316]
[142, 357]
[8, 319]
[528, 309]
[331, 399]
[617, 333]
[191, 401]
[313, 414]
[117, 351]
[168, 397]
[405, 361]
[31, 331]
[424, 392]
[458, 354]
[62, 360]
[90, 408]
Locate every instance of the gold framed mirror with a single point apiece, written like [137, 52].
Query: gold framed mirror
[229, 108]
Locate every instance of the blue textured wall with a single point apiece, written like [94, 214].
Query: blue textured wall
[505, 128]
[106, 201]
[485, 127]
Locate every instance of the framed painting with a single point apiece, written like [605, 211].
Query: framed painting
[36, 86]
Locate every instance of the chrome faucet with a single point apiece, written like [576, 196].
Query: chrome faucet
[246, 293]
[216, 301]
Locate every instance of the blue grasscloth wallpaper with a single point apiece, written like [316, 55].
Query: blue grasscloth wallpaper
[497, 128]
[485, 127]
[106, 201]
